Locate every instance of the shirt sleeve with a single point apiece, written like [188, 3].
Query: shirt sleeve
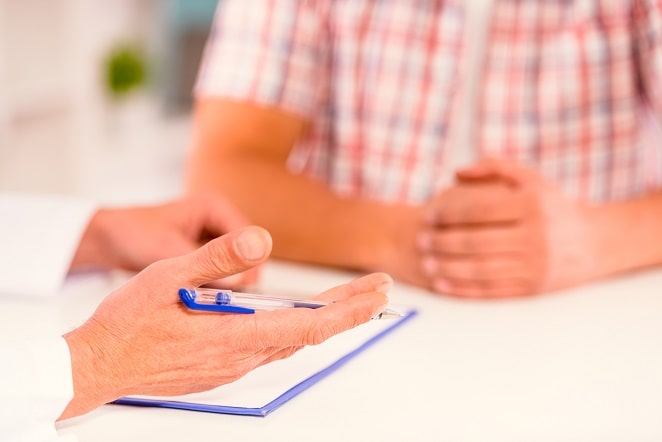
[648, 43]
[36, 385]
[271, 55]
[647, 37]
[39, 236]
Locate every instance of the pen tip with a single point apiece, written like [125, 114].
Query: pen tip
[389, 314]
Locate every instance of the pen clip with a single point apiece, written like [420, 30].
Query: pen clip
[188, 298]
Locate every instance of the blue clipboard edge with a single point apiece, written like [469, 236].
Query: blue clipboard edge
[280, 400]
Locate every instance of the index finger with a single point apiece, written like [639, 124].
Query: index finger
[478, 204]
[300, 327]
[374, 282]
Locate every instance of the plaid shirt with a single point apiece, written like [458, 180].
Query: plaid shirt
[567, 87]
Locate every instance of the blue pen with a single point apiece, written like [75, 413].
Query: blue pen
[228, 301]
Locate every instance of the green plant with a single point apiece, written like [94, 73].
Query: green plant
[125, 70]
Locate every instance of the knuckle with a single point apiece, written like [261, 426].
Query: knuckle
[216, 264]
[157, 270]
[319, 333]
[220, 259]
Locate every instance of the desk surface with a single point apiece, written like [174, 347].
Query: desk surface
[579, 365]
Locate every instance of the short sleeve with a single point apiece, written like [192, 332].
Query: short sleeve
[647, 26]
[648, 43]
[270, 52]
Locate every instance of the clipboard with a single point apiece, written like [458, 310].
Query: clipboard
[267, 388]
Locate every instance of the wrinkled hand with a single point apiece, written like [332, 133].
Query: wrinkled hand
[132, 238]
[502, 230]
[141, 340]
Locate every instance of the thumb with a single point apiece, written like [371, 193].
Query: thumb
[494, 169]
[226, 255]
[479, 171]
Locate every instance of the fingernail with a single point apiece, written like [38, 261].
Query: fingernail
[385, 287]
[251, 245]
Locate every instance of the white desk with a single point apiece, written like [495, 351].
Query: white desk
[582, 365]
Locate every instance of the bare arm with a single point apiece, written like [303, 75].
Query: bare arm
[629, 234]
[241, 150]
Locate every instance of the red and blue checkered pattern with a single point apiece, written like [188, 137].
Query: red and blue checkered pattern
[567, 88]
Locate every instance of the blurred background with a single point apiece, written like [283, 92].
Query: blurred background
[95, 95]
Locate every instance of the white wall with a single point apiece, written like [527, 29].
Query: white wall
[58, 130]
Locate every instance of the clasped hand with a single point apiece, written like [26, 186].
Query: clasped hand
[502, 230]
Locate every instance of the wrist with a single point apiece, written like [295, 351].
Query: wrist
[91, 250]
[393, 249]
[95, 380]
[626, 235]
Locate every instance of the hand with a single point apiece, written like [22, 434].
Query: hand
[132, 238]
[396, 252]
[142, 340]
[502, 230]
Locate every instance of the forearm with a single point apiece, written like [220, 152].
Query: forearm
[307, 221]
[629, 234]
[241, 150]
